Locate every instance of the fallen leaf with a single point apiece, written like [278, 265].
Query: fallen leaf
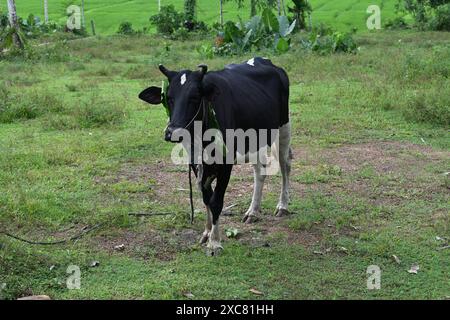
[439, 238]
[414, 269]
[257, 292]
[318, 252]
[343, 249]
[396, 259]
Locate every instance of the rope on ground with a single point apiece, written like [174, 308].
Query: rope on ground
[45, 243]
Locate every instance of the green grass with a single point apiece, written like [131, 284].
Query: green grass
[108, 14]
[368, 176]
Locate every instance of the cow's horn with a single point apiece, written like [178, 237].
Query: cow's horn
[169, 74]
[204, 68]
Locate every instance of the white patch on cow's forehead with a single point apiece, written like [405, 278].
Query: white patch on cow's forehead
[183, 79]
[251, 62]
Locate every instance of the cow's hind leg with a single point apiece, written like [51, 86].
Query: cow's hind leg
[285, 158]
[258, 184]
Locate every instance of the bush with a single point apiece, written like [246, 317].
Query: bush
[323, 40]
[15, 107]
[432, 107]
[397, 23]
[126, 28]
[96, 113]
[168, 20]
[441, 19]
[265, 31]
[428, 14]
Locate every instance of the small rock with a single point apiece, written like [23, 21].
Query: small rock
[119, 247]
[94, 264]
[188, 295]
[414, 269]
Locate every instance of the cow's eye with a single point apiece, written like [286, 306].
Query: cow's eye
[170, 100]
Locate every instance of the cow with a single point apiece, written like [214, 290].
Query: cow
[250, 95]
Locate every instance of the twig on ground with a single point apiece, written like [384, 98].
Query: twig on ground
[149, 214]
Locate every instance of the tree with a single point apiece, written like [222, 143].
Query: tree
[14, 23]
[299, 10]
[256, 5]
[428, 14]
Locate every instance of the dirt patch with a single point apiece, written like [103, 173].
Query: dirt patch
[384, 157]
[398, 172]
[380, 172]
[147, 243]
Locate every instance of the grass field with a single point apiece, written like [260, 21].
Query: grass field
[108, 14]
[77, 148]
[370, 172]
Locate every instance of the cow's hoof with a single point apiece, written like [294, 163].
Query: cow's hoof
[281, 212]
[204, 238]
[251, 218]
[213, 249]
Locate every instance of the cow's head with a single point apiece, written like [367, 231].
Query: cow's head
[184, 96]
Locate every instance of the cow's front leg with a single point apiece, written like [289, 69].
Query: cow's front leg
[208, 226]
[204, 184]
[216, 205]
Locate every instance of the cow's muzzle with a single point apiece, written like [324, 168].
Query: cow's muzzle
[168, 135]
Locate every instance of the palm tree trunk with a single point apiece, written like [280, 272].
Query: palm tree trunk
[46, 11]
[14, 24]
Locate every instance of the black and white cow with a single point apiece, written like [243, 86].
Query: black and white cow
[251, 95]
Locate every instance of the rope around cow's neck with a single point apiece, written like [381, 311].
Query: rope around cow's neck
[204, 121]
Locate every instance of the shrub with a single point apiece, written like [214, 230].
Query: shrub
[15, 107]
[432, 107]
[397, 23]
[324, 40]
[265, 31]
[98, 112]
[126, 28]
[167, 20]
[428, 14]
[441, 19]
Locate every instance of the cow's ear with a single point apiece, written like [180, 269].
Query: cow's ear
[152, 95]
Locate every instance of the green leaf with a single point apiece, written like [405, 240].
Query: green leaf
[282, 45]
[285, 28]
[231, 232]
[270, 20]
